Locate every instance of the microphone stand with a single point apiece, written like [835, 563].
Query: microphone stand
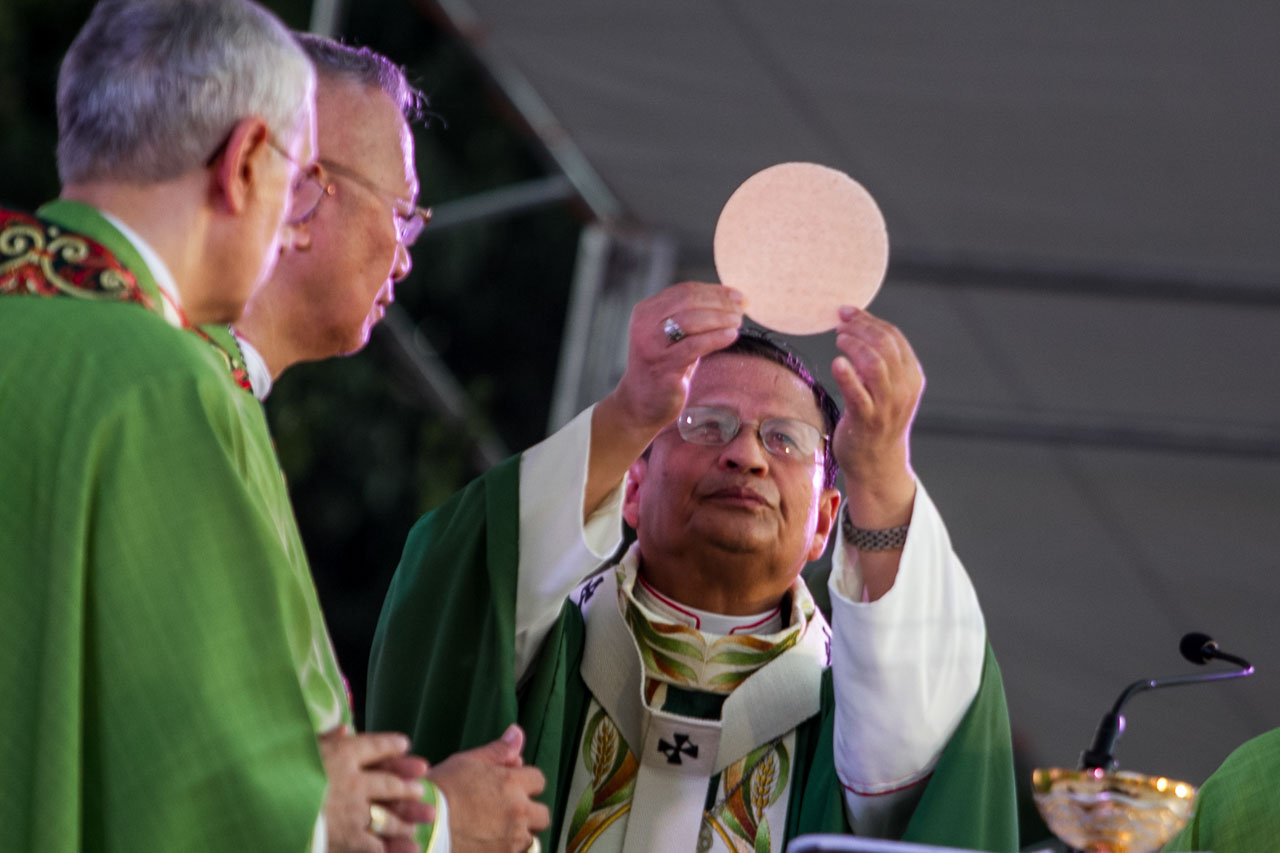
[1101, 753]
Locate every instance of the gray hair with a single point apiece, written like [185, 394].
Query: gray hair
[364, 66]
[151, 88]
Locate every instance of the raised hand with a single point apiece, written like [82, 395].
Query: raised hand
[881, 381]
[669, 332]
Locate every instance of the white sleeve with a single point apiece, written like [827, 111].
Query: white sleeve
[905, 668]
[320, 835]
[441, 838]
[556, 549]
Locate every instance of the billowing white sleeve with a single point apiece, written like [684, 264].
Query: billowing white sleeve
[905, 668]
[320, 835]
[441, 836]
[556, 549]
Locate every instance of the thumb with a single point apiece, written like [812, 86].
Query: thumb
[506, 749]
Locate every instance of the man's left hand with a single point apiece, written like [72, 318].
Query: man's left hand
[881, 380]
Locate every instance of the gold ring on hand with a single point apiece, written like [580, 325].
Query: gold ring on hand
[379, 819]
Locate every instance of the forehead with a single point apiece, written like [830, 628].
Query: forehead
[300, 140]
[755, 387]
[363, 129]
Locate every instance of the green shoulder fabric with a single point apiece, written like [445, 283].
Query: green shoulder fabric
[153, 627]
[443, 657]
[1238, 807]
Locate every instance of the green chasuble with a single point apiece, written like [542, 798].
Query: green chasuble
[1238, 807]
[165, 666]
[442, 669]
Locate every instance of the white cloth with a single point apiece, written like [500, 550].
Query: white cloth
[906, 666]
[157, 267]
[259, 374]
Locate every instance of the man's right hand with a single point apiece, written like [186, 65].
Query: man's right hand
[653, 387]
[368, 769]
[489, 794]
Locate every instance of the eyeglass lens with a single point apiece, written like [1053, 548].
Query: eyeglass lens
[785, 437]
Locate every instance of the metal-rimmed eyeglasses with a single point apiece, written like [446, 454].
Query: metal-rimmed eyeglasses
[309, 187]
[786, 438]
[409, 224]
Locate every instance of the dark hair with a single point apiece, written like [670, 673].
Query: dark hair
[757, 343]
[332, 58]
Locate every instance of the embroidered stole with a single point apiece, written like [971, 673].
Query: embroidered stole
[689, 735]
[41, 258]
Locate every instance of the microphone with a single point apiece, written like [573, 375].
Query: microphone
[1200, 648]
[1195, 647]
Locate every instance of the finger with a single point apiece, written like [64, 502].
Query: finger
[370, 748]
[404, 766]
[412, 811]
[393, 826]
[870, 363]
[401, 845]
[505, 751]
[699, 294]
[388, 786]
[539, 817]
[880, 335]
[513, 738]
[690, 348]
[696, 321]
[856, 396]
[530, 780]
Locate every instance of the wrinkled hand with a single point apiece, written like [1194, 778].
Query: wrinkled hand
[653, 387]
[881, 380]
[490, 794]
[652, 390]
[372, 768]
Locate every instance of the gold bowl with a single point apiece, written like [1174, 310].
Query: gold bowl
[1118, 812]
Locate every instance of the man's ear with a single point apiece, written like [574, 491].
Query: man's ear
[631, 498]
[242, 159]
[828, 509]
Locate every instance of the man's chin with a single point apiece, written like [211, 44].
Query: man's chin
[739, 536]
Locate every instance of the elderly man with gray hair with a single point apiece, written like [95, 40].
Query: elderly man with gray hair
[166, 666]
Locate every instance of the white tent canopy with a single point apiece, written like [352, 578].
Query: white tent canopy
[1082, 200]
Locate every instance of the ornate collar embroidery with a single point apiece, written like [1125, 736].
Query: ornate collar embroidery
[686, 657]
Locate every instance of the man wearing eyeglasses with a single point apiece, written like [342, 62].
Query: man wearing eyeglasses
[360, 208]
[166, 666]
[360, 203]
[688, 695]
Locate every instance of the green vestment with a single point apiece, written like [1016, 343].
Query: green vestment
[1238, 807]
[166, 667]
[442, 669]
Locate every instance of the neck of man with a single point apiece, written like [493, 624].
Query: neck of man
[267, 325]
[730, 585]
[172, 218]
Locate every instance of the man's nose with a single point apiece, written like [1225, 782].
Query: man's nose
[402, 264]
[296, 238]
[745, 451]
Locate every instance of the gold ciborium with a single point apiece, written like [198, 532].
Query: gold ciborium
[1117, 811]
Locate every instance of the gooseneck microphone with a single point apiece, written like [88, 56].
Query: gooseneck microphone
[1195, 647]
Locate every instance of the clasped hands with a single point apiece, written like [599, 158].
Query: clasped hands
[374, 784]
